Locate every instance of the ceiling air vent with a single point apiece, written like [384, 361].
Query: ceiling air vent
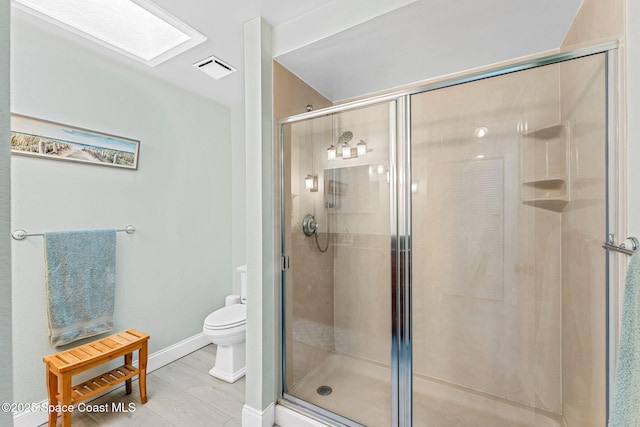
[215, 67]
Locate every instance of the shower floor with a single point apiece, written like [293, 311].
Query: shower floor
[361, 392]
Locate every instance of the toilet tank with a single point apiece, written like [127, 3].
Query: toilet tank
[243, 283]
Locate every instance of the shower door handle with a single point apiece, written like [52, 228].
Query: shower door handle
[285, 262]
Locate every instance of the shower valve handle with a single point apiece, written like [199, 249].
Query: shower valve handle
[309, 225]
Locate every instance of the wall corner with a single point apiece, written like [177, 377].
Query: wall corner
[6, 365]
[261, 254]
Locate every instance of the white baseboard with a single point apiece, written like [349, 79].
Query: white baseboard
[174, 352]
[155, 361]
[252, 417]
[286, 417]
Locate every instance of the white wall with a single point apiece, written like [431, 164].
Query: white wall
[6, 386]
[176, 268]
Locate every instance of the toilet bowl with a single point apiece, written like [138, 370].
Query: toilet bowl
[226, 328]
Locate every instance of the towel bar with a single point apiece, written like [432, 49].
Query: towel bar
[21, 234]
[627, 247]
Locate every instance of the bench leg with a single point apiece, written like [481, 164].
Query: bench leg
[128, 359]
[66, 400]
[52, 387]
[142, 373]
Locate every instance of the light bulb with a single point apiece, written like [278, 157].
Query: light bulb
[331, 152]
[346, 151]
[311, 183]
[481, 133]
[361, 148]
[308, 182]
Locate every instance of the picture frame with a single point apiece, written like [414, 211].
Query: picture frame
[35, 137]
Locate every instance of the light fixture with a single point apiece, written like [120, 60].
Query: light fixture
[361, 148]
[331, 152]
[139, 29]
[311, 183]
[481, 133]
[346, 150]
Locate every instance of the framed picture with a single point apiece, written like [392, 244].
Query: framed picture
[41, 138]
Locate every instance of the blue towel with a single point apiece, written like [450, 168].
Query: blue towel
[625, 401]
[80, 281]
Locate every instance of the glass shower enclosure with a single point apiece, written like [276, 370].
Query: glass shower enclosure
[441, 246]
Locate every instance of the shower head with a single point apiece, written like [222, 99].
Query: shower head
[345, 137]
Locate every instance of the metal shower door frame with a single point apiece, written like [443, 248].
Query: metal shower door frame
[400, 223]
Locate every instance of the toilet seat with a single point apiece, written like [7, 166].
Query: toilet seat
[227, 317]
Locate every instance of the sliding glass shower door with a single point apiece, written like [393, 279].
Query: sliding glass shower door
[508, 286]
[442, 260]
[336, 236]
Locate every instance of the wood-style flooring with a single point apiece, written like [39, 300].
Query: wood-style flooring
[180, 394]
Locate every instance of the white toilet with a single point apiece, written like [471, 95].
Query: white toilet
[227, 328]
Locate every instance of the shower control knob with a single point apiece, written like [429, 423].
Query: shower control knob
[309, 225]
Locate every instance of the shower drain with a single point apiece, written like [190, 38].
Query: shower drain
[324, 390]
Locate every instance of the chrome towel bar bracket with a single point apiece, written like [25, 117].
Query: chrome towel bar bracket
[627, 247]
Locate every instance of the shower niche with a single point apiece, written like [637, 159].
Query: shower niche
[546, 167]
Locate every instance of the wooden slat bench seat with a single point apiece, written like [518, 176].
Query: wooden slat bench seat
[62, 366]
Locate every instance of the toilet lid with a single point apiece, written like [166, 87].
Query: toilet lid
[227, 317]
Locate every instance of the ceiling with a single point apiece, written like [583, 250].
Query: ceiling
[348, 48]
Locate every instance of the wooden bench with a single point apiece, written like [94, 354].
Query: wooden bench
[62, 366]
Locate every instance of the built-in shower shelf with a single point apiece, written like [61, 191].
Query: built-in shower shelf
[547, 132]
[546, 193]
[545, 163]
[551, 204]
[547, 182]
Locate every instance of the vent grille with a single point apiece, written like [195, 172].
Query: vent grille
[214, 67]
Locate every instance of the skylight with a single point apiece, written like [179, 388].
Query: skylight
[139, 30]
